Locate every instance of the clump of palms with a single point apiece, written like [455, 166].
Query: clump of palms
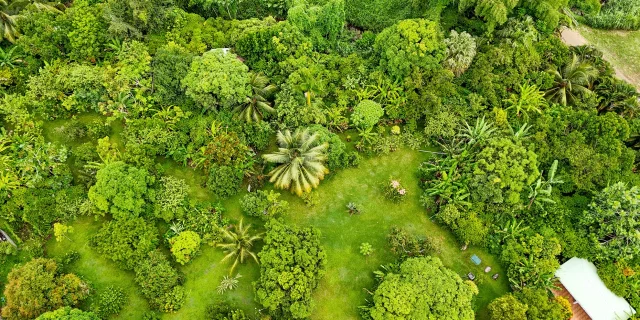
[529, 100]
[301, 161]
[257, 104]
[572, 80]
[237, 243]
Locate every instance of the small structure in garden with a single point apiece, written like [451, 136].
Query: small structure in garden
[590, 297]
[471, 276]
[495, 276]
[476, 260]
[487, 269]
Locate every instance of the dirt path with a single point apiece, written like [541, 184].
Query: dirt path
[573, 38]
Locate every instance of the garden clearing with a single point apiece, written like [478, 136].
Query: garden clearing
[349, 274]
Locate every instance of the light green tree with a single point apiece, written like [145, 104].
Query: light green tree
[410, 293]
[184, 246]
[61, 231]
[217, 79]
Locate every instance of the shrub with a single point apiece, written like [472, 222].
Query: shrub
[121, 190]
[263, 204]
[109, 302]
[184, 246]
[410, 45]
[160, 282]
[366, 114]
[394, 191]
[224, 181]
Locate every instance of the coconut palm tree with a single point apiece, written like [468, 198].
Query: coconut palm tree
[257, 104]
[301, 161]
[237, 244]
[570, 81]
[10, 13]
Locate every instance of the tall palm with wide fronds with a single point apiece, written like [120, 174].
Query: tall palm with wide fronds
[237, 244]
[257, 105]
[570, 81]
[301, 161]
[10, 13]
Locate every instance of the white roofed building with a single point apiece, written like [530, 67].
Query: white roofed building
[591, 299]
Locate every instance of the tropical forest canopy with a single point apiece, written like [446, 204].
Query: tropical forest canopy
[158, 131]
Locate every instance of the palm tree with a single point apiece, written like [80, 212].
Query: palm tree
[530, 99]
[573, 79]
[257, 104]
[238, 244]
[301, 161]
[10, 13]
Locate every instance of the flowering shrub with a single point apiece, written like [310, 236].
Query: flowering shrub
[394, 190]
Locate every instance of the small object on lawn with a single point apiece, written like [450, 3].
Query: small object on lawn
[464, 247]
[495, 276]
[476, 260]
[487, 269]
[471, 276]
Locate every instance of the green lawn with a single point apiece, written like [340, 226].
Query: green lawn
[621, 48]
[97, 270]
[342, 290]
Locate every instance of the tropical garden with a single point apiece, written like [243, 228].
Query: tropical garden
[311, 159]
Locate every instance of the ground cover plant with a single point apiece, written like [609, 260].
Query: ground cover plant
[328, 159]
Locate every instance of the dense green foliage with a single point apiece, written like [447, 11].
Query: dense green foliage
[38, 287]
[128, 126]
[411, 293]
[291, 262]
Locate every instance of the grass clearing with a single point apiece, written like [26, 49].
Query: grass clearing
[349, 273]
[621, 48]
[96, 269]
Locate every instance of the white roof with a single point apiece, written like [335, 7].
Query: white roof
[580, 277]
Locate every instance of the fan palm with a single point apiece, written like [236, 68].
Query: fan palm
[572, 80]
[301, 161]
[256, 105]
[237, 244]
[10, 13]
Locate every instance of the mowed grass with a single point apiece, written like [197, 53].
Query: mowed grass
[621, 48]
[99, 271]
[349, 274]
